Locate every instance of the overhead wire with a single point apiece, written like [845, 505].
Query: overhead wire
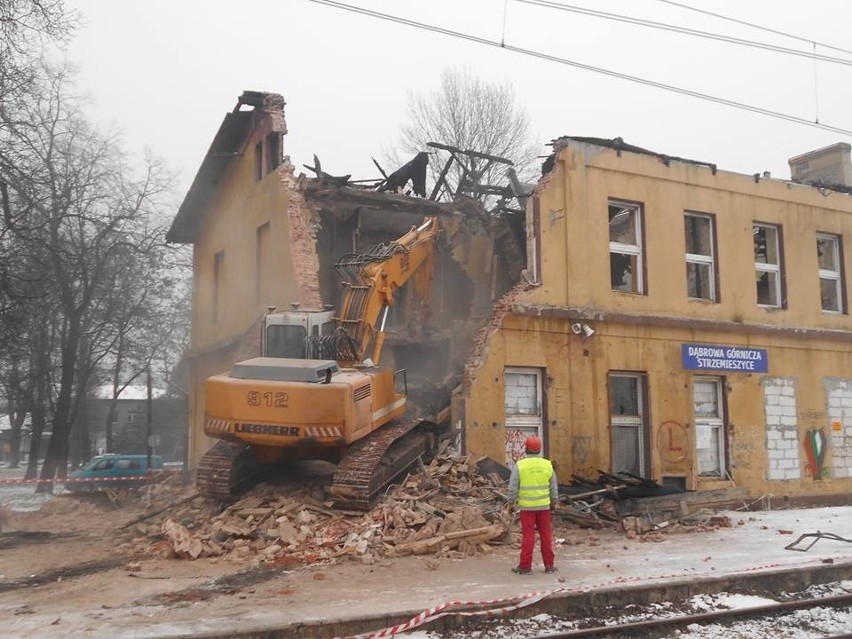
[616, 17]
[756, 26]
[579, 65]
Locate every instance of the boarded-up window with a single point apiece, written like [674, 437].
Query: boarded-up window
[708, 409]
[523, 409]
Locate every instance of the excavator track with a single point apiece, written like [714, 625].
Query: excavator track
[375, 461]
[220, 472]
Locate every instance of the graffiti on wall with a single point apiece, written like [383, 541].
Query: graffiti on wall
[815, 445]
[672, 442]
[514, 443]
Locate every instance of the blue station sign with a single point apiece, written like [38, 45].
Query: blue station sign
[712, 357]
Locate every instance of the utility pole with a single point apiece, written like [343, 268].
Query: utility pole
[149, 434]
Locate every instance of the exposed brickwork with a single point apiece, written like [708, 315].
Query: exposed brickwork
[304, 222]
[481, 344]
[274, 104]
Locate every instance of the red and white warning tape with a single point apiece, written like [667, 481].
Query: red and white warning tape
[460, 609]
[71, 480]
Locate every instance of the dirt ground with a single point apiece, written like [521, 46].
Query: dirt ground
[77, 565]
[87, 566]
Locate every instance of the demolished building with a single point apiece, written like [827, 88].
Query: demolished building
[264, 238]
[649, 315]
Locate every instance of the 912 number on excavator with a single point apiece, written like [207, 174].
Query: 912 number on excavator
[269, 399]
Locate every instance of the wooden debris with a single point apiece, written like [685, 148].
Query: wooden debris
[443, 509]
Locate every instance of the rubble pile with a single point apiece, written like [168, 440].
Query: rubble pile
[447, 509]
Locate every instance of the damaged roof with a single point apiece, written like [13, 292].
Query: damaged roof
[228, 144]
[619, 145]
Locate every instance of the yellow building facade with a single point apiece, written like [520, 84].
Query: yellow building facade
[678, 322]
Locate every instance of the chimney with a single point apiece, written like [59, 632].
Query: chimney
[829, 165]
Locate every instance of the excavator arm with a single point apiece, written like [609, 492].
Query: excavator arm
[371, 281]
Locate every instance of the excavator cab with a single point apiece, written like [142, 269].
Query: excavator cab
[289, 333]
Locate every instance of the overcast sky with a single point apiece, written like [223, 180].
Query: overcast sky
[165, 72]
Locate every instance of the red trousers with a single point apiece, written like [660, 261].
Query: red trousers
[532, 520]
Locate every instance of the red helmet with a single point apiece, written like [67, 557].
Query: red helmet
[532, 444]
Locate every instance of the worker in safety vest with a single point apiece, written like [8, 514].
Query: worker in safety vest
[533, 487]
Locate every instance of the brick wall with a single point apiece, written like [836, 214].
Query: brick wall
[304, 224]
[839, 394]
[782, 432]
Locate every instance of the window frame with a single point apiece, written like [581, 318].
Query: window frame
[771, 268]
[835, 276]
[637, 251]
[716, 425]
[640, 421]
[698, 259]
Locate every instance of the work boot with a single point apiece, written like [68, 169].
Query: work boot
[521, 571]
[550, 570]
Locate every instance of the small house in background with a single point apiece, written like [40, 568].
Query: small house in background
[7, 441]
[130, 422]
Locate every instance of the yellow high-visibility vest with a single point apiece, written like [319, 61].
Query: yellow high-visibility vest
[534, 474]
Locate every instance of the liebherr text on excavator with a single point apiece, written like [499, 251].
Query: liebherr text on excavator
[319, 391]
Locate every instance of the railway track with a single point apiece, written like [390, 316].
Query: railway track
[660, 627]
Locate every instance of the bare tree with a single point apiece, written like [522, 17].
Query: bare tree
[79, 215]
[25, 27]
[469, 114]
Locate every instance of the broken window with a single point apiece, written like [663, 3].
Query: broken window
[261, 260]
[830, 273]
[218, 275]
[628, 423]
[131, 417]
[273, 151]
[708, 409]
[699, 230]
[625, 247]
[767, 265]
[258, 161]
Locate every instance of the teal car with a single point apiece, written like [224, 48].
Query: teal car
[112, 471]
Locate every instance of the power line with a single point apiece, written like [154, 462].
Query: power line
[549, 4]
[579, 65]
[756, 26]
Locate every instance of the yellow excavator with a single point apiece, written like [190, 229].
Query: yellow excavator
[319, 391]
